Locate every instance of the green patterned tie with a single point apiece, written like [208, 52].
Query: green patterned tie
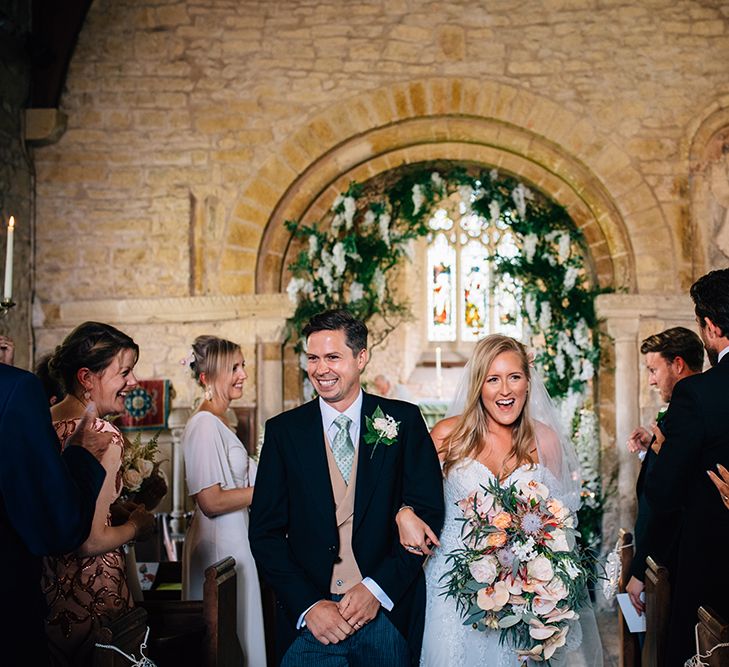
[342, 447]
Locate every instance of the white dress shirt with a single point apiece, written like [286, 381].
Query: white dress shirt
[328, 415]
[722, 354]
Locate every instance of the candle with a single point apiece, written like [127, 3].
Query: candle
[8, 292]
[438, 371]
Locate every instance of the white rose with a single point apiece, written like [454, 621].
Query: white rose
[386, 426]
[484, 569]
[132, 479]
[145, 467]
[540, 568]
[558, 541]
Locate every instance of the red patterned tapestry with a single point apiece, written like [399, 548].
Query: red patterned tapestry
[147, 406]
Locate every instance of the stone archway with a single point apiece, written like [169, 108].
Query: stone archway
[465, 120]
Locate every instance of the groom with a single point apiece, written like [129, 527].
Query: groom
[322, 522]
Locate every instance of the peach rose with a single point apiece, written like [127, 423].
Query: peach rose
[132, 479]
[497, 539]
[145, 467]
[502, 520]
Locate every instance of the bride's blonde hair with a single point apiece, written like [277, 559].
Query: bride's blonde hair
[468, 437]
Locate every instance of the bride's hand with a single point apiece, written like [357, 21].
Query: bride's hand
[415, 535]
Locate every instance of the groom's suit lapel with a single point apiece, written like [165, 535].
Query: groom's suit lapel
[368, 464]
[313, 460]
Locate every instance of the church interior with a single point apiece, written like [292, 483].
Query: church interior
[154, 155]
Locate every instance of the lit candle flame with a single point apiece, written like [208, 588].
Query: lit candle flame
[11, 222]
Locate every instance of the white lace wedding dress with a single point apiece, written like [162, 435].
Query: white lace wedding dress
[446, 641]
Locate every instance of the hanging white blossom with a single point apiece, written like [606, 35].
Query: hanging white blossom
[336, 225]
[437, 181]
[378, 279]
[588, 370]
[350, 208]
[293, 288]
[518, 194]
[494, 211]
[563, 247]
[582, 335]
[545, 316]
[529, 247]
[338, 258]
[308, 390]
[337, 201]
[465, 193]
[559, 364]
[494, 174]
[356, 291]
[570, 278]
[384, 223]
[303, 361]
[530, 304]
[418, 198]
[369, 218]
[324, 274]
[313, 246]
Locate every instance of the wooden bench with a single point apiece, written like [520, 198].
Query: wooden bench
[712, 631]
[199, 633]
[629, 646]
[657, 611]
[126, 633]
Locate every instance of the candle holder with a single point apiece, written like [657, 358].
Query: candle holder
[5, 306]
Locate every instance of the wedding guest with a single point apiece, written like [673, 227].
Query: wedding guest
[95, 364]
[695, 429]
[52, 387]
[7, 350]
[47, 502]
[385, 388]
[670, 356]
[220, 479]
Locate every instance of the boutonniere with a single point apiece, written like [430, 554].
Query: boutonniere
[661, 414]
[381, 428]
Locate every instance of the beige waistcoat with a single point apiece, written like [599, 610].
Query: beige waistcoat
[346, 572]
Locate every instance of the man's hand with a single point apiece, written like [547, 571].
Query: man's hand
[358, 606]
[415, 535]
[660, 438]
[94, 442]
[638, 440]
[634, 588]
[326, 623]
[721, 483]
[143, 522]
[7, 350]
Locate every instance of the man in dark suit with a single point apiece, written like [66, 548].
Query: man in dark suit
[47, 502]
[670, 356]
[696, 429]
[323, 529]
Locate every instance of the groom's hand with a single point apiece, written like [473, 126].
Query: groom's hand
[326, 623]
[358, 606]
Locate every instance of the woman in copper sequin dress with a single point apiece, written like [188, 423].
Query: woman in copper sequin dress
[95, 364]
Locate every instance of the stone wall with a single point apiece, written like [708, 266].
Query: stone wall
[16, 174]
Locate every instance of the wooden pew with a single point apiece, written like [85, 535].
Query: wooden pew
[628, 642]
[712, 631]
[657, 610]
[199, 633]
[126, 633]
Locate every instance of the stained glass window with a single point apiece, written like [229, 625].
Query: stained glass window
[466, 298]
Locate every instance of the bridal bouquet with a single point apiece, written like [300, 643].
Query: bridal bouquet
[520, 569]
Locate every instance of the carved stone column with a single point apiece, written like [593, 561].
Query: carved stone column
[177, 420]
[269, 380]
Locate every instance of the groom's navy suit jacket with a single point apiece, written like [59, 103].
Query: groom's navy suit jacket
[293, 529]
[696, 427]
[47, 501]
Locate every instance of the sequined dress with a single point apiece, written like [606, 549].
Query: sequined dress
[82, 590]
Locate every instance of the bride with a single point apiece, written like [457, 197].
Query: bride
[506, 429]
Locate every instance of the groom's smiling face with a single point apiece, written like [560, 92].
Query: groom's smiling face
[333, 368]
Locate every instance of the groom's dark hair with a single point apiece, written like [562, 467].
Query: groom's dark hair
[677, 342]
[355, 331]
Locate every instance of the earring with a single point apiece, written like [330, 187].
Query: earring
[87, 396]
[208, 393]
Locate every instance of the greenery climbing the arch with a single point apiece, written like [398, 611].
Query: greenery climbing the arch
[349, 256]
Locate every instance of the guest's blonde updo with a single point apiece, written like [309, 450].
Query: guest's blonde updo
[211, 355]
